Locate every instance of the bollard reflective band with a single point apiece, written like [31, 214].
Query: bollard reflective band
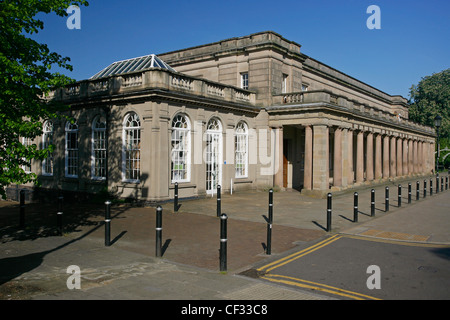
[223, 240]
[59, 213]
[107, 220]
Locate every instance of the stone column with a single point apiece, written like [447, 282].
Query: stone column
[307, 173]
[320, 157]
[410, 157]
[360, 157]
[415, 159]
[345, 160]
[420, 155]
[386, 156]
[351, 175]
[399, 157]
[392, 160]
[369, 160]
[378, 157]
[337, 161]
[405, 157]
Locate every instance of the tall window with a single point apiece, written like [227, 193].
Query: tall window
[241, 150]
[26, 142]
[181, 147]
[244, 80]
[98, 169]
[131, 153]
[284, 83]
[47, 141]
[71, 164]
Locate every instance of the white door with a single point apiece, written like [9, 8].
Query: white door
[213, 156]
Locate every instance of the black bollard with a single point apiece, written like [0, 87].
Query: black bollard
[219, 206]
[431, 187]
[329, 212]
[424, 188]
[386, 203]
[223, 242]
[442, 183]
[107, 223]
[372, 203]
[175, 200]
[409, 192]
[158, 231]
[355, 207]
[446, 183]
[22, 209]
[437, 184]
[59, 215]
[399, 195]
[269, 224]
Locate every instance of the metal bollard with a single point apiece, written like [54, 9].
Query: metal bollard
[158, 231]
[446, 183]
[22, 209]
[399, 195]
[175, 200]
[442, 183]
[269, 224]
[59, 215]
[107, 223]
[431, 187]
[219, 206]
[424, 188]
[372, 203]
[223, 242]
[409, 192]
[355, 207]
[386, 203]
[329, 212]
[437, 184]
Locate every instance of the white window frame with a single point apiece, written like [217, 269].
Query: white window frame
[131, 153]
[180, 149]
[241, 150]
[71, 151]
[213, 154]
[244, 80]
[98, 150]
[47, 140]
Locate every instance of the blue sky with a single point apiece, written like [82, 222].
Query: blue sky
[413, 41]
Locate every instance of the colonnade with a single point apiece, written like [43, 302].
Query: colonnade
[353, 156]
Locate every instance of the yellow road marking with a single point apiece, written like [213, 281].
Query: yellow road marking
[294, 256]
[317, 286]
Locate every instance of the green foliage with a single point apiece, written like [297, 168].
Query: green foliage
[429, 98]
[25, 78]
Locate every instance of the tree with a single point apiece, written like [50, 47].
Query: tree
[25, 78]
[429, 98]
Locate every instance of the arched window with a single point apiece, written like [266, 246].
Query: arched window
[213, 155]
[131, 152]
[71, 154]
[241, 150]
[181, 149]
[47, 141]
[98, 169]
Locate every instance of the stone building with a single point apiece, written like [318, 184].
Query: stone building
[247, 112]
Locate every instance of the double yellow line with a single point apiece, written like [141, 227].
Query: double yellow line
[281, 262]
[305, 283]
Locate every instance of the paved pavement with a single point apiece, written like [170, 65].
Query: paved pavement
[34, 261]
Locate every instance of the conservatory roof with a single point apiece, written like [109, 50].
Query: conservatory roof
[130, 65]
